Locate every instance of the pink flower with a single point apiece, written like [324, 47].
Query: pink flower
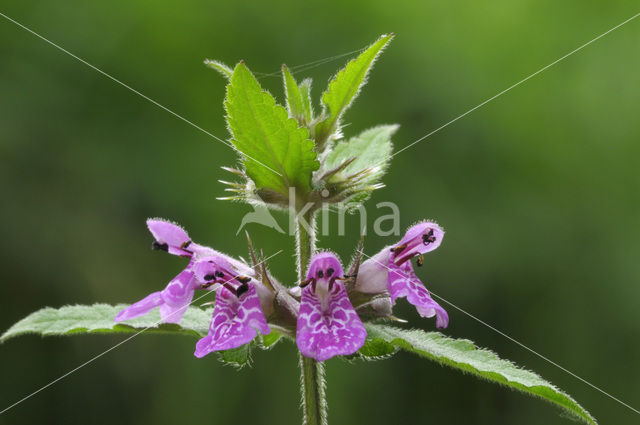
[174, 300]
[237, 315]
[391, 270]
[327, 324]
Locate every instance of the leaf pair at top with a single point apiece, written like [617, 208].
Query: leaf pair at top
[282, 148]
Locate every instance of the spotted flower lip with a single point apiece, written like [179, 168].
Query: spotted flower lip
[327, 324]
[238, 315]
[236, 321]
[403, 282]
[391, 270]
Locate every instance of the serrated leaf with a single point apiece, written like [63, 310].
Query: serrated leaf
[463, 355]
[344, 88]
[370, 149]
[295, 101]
[98, 318]
[223, 69]
[263, 132]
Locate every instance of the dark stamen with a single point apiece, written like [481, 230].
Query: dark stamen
[330, 272]
[242, 289]
[305, 282]
[209, 277]
[219, 273]
[332, 282]
[320, 274]
[420, 260]
[160, 246]
[428, 238]
[398, 249]
[185, 245]
[243, 279]
[230, 288]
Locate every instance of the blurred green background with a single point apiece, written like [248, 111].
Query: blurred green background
[538, 192]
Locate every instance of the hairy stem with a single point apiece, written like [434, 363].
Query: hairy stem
[306, 242]
[314, 403]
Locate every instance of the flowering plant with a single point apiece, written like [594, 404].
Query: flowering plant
[297, 160]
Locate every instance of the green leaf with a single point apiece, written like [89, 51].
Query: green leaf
[463, 355]
[241, 356]
[263, 132]
[295, 101]
[354, 168]
[305, 93]
[371, 149]
[267, 342]
[344, 88]
[223, 69]
[237, 357]
[98, 318]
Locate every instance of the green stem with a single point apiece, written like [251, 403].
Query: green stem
[306, 241]
[314, 402]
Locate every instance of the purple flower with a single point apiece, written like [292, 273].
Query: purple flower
[327, 325]
[391, 270]
[238, 315]
[174, 300]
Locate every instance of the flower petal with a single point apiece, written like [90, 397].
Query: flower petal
[373, 274]
[177, 296]
[329, 330]
[140, 308]
[217, 261]
[235, 322]
[170, 237]
[403, 282]
[205, 269]
[419, 239]
[172, 300]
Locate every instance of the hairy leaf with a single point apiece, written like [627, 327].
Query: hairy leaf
[263, 132]
[266, 342]
[344, 88]
[98, 318]
[305, 94]
[223, 69]
[295, 101]
[237, 357]
[463, 355]
[371, 149]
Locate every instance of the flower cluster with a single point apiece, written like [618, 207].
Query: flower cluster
[324, 321]
[238, 312]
